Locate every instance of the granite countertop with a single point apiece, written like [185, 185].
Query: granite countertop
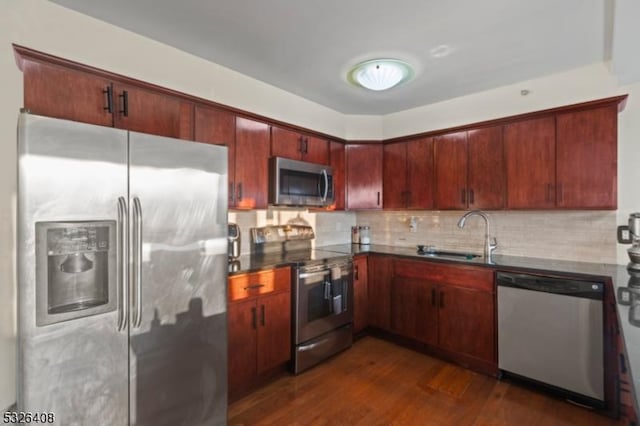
[626, 287]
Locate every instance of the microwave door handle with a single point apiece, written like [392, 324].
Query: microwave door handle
[326, 185]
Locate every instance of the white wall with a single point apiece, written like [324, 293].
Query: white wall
[44, 26]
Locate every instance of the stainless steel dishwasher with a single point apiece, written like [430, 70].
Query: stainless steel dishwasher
[550, 333]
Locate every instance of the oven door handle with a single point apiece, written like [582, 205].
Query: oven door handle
[314, 274]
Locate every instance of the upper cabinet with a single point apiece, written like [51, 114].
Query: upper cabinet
[586, 158]
[337, 163]
[218, 127]
[252, 164]
[296, 146]
[65, 93]
[530, 155]
[566, 160]
[364, 176]
[469, 169]
[408, 174]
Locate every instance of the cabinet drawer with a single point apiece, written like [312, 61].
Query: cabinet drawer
[254, 284]
[457, 275]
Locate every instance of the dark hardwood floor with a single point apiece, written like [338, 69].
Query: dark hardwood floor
[379, 383]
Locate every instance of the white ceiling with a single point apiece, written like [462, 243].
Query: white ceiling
[306, 47]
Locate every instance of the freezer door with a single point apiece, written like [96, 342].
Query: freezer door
[72, 359]
[178, 220]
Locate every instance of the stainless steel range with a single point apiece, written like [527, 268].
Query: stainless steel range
[322, 292]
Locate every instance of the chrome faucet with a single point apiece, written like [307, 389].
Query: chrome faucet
[490, 244]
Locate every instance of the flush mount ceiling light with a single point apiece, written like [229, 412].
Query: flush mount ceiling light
[380, 74]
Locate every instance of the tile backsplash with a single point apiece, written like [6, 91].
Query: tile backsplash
[586, 236]
[329, 227]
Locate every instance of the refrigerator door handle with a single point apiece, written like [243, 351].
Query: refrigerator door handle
[123, 262]
[137, 261]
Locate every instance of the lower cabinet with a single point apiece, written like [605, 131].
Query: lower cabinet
[259, 325]
[360, 294]
[451, 307]
[380, 274]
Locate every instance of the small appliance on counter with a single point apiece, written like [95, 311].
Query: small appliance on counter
[234, 241]
[633, 229]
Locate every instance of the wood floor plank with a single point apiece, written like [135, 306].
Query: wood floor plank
[379, 383]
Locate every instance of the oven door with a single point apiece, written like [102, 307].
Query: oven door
[322, 304]
[298, 183]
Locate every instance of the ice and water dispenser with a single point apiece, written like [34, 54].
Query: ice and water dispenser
[75, 270]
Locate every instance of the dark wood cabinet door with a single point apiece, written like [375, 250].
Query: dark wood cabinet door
[587, 159]
[466, 322]
[144, 111]
[286, 143]
[252, 164]
[274, 330]
[414, 309]
[315, 150]
[486, 180]
[530, 156]
[420, 174]
[451, 171]
[63, 93]
[337, 162]
[242, 320]
[364, 176]
[394, 176]
[380, 274]
[360, 294]
[218, 127]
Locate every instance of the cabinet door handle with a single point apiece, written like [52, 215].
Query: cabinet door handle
[356, 273]
[232, 190]
[471, 197]
[239, 196]
[560, 192]
[301, 145]
[463, 196]
[254, 318]
[108, 91]
[433, 297]
[125, 103]
[306, 145]
[378, 200]
[623, 364]
[262, 321]
[442, 299]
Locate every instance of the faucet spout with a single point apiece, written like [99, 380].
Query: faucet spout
[490, 244]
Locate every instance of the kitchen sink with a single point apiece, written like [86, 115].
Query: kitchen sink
[431, 251]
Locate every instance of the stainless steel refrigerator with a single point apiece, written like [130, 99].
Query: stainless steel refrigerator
[122, 271]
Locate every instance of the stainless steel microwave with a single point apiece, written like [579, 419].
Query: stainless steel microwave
[298, 183]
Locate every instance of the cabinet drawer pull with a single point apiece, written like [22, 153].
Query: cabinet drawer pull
[262, 321]
[378, 201]
[253, 286]
[108, 91]
[125, 103]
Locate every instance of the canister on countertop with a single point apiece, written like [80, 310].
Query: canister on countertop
[365, 235]
[355, 235]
